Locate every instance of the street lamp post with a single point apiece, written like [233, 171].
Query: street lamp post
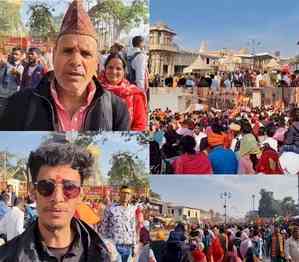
[253, 202]
[226, 196]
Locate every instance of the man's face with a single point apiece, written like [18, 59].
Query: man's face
[9, 189]
[142, 45]
[16, 56]
[75, 62]
[125, 197]
[56, 210]
[32, 57]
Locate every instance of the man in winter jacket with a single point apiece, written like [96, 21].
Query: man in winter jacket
[71, 98]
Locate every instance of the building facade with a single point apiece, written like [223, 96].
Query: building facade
[166, 58]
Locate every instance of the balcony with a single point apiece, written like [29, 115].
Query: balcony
[160, 47]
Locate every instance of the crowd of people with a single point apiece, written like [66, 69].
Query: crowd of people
[234, 79]
[73, 87]
[229, 243]
[238, 141]
[53, 222]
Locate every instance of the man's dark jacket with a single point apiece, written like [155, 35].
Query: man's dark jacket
[34, 110]
[26, 247]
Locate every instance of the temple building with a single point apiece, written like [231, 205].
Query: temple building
[166, 57]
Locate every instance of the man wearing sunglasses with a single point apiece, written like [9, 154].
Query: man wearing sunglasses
[57, 172]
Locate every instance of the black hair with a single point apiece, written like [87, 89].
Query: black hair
[137, 40]
[54, 154]
[187, 144]
[18, 49]
[124, 187]
[270, 131]
[118, 56]
[35, 50]
[203, 144]
[295, 114]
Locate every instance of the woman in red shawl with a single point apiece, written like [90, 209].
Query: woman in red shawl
[113, 79]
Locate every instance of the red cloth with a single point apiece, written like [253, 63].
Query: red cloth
[192, 164]
[217, 251]
[198, 255]
[133, 97]
[269, 163]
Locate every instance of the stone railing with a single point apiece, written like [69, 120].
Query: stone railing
[162, 47]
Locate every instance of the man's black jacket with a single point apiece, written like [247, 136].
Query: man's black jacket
[27, 246]
[34, 110]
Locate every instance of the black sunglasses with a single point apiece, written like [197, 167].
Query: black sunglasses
[46, 188]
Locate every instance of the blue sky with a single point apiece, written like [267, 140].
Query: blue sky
[21, 143]
[232, 23]
[204, 191]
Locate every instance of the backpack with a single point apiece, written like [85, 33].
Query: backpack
[131, 74]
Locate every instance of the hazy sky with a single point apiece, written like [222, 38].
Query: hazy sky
[21, 143]
[204, 191]
[232, 23]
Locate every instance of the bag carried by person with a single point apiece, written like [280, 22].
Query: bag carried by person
[131, 77]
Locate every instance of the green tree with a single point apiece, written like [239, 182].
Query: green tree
[127, 169]
[120, 16]
[41, 21]
[10, 18]
[268, 206]
[288, 207]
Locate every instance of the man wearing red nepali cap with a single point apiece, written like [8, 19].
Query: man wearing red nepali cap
[57, 172]
[70, 98]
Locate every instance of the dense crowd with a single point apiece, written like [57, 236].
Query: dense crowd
[238, 141]
[229, 243]
[238, 78]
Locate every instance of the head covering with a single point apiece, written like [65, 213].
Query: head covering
[234, 127]
[249, 146]
[76, 21]
[215, 139]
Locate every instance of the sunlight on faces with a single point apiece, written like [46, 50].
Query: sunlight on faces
[75, 62]
[114, 71]
[56, 210]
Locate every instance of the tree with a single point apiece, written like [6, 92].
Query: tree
[118, 17]
[268, 206]
[10, 18]
[127, 169]
[41, 21]
[288, 207]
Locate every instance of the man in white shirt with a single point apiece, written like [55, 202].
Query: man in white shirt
[270, 140]
[119, 225]
[12, 224]
[292, 246]
[139, 62]
[258, 79]
[198, 135]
